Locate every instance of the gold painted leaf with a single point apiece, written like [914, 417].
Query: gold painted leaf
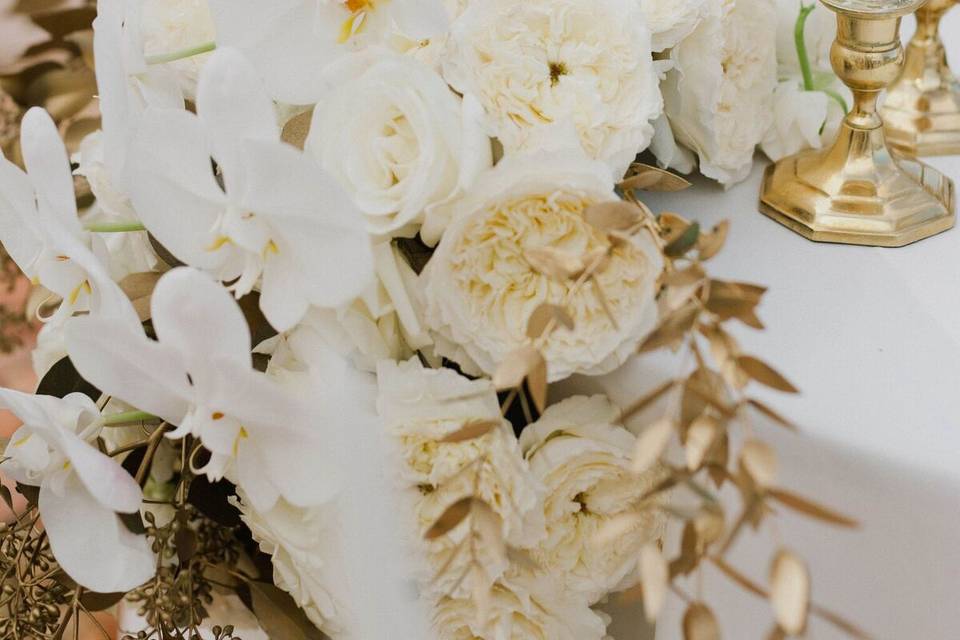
[759, 461]
[701, 437]
[683, 285]
[710, 244]
[537, 384]
[554, 263]
[651, 444]
[139, 288]
[672, 328]
[709, 525]
[546, 314]
[734, 300]
[471, 430]
[643, 177]
[654, 575]
[772, 415]
[790, 592]
[811, 508]
[278, 613]
[684, 242]
[613, 216]
[297, 129]
[516, 367]
[448, 521]
[699, 623]
[765, 374]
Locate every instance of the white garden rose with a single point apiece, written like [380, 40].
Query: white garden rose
[719, 96]
[422, 406]
[303, 544]
[539, 62]
[397, 139]
[481, 288]
[583, 456]
[522, 606]
[671, 21]
[171, 26]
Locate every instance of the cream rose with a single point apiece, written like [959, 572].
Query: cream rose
[719, 96]
[522, 606]
[671, 21]
[303, 544]
[481, 289]
[583, 456]
[397, 139]
[545, 61]
[420, 407]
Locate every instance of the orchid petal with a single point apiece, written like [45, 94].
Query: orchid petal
[233, 106]
[280, 38]
[90, 543]
[317, 220]
[104, 479]
[17, 206]
[49, 168]
[281, 297]
[173, 188]
[120, 360]
[252, 479]
[420, 19]
[199, 318]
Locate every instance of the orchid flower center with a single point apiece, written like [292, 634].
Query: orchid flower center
[359, 11]
[251, 234]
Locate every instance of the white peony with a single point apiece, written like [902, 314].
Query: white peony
[481, 289]
[719, 96]
[420, 407]
[397, 139]
[583, 456]
[522, 606]
[544, 61]
[386, 322]
[671, 21]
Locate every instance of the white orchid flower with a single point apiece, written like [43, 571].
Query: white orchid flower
[292, 41]
[278, 215]
[199, 376]
[81, 491]
[40, 228]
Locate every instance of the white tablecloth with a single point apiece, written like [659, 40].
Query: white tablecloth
[872, 337]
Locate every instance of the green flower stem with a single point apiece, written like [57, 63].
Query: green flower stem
[129, 417]
[163, 58]
[839, 98]
[801, 42]
[115, 227]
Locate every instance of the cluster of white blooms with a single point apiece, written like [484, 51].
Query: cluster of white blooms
[473, 132]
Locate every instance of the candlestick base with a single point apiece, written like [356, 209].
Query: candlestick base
[858, 193]
[922, 108]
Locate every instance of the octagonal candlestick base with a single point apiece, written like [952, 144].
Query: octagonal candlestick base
[922, 109]
[857, 191]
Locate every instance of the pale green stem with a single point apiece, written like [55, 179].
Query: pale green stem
[801, 42]
[115, 227]
[163, 58]
[128, 417]
[839, 98]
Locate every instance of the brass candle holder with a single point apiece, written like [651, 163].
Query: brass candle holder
[857, 191]
[922, 109]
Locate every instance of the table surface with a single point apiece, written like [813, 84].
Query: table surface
[872, 338]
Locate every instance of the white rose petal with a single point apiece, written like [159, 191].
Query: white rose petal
[671, 21]
[397, 139]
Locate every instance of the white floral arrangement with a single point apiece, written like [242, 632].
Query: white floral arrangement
[339, 252]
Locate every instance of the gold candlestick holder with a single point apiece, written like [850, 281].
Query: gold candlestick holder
[922, 109]
[857, 191]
